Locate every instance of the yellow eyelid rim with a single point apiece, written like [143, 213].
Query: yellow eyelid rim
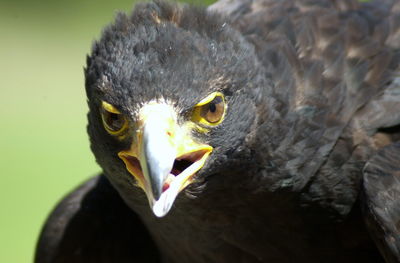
[210, 98]
[196, 111]
[110, 108]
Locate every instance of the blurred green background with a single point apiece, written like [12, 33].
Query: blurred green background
[44, 149]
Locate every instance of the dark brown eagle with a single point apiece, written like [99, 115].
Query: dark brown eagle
[248, 131]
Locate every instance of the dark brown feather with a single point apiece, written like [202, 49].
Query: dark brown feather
[313, 93]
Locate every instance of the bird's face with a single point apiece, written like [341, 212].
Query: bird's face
[169, 104]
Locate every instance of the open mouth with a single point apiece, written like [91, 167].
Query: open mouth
[181, 164]
[181, 175]
[184, 168]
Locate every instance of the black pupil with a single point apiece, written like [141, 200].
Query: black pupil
[212, 107]
[114, 121]
[114, 117]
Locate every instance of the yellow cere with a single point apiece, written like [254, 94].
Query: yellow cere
[211, 110]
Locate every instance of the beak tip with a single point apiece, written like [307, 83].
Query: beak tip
[158, 213]
[163, 205]
[160, 210]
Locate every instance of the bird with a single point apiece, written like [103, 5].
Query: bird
[245, 131]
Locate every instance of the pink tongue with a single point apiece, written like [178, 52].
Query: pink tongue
[168, 181]
[165, 187]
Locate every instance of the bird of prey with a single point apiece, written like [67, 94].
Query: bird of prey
[248, 131]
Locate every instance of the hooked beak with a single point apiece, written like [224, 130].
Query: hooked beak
[163, 156]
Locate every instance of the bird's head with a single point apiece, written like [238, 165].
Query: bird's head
[173, 93]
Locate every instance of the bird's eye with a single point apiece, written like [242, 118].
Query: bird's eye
[211, 110]
[114, 122]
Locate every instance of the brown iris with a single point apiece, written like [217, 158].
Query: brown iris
[210, 111]
[214, 110]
